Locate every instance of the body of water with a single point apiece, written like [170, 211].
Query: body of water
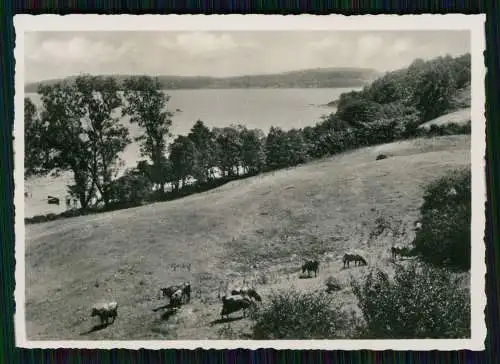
[254, 108]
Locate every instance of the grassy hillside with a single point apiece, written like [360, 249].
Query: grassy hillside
[460, 117]
[260, 229]
[315, 78]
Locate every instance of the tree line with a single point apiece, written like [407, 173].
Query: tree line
[79, 129]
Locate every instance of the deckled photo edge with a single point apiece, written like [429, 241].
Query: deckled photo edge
[153, 22]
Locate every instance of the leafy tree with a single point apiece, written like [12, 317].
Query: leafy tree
[80, 134]
[147, 106]
[347, 97]
[386, 89]
[276, 149]
[434, 90]
[333, 135]
[34, 151]
[309, 133]
[182, 160]
[229, 145]
[206, 149]
[253, 156]
[444, 238]
[161, 172]
[66, 144]
[132, 187]
[99, 99]
[296, 147]
[358, 111]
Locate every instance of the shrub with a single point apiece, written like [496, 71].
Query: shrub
[449, 129]
[421, 302]
[332, 284]
[294, 315]
[132, 187]
[444, 238]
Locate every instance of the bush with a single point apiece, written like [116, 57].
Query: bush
[444, 238]
[130, 189]
[332, 284]
[294, 315]
[421, 302]
[449, 129]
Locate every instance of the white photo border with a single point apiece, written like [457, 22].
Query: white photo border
[78, 22]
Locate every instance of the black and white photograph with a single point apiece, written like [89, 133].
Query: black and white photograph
[253, 181]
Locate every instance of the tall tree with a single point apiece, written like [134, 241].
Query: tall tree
[228, 150]
[81, 134]
[296, 147]
[434, 90]
[182, 159]
[276, 148]
[66, 144]
[132, 186]
[99, 98]
[34, 151]
[253, 156]
[205, 144]
[146, 104]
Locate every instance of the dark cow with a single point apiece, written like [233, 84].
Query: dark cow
[311, 266]
[353, 257]
[176, 298]
[184, 288]
[231, 304]
[105, 311]
[249, 292]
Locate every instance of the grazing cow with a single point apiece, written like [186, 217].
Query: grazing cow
[235, 303]
[185, 289]
[176, 298]
[311, 266]
[105, 311]
[353, 257]
[169, 291]
[248, 292]
[395, 250]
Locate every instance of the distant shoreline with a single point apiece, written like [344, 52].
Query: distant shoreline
[310, 78]
[334, 103]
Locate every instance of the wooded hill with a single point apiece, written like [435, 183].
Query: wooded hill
[310, 78]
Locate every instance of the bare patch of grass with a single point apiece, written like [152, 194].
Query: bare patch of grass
[226, 332]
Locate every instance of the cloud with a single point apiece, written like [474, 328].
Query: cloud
[197, 43]
[400, 46]
[368, 46]
[325, 43]
[60, 54]
[76, 49]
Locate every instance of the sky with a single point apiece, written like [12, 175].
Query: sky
[60, 54]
